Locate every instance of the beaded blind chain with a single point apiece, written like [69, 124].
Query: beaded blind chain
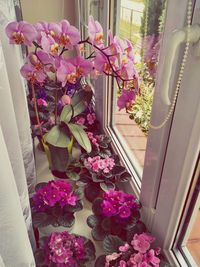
[185, 55]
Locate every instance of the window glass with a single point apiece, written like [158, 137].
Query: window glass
[141, 22]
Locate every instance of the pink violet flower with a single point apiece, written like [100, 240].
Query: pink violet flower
[91, 118]
[42, 102]
[124, 248]
[140, 243]
[64, 249]
[81, 121]
[95, 32]
[21, 33]
[44, 28]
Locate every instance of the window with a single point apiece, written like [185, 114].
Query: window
[171, 151]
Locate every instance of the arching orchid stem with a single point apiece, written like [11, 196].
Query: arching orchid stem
[56, 105]
[36, 110]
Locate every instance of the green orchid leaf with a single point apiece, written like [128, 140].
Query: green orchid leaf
[80, 101]
[66, 114]
[80, 136]
[57, 137]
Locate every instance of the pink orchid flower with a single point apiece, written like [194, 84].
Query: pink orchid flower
[21, 33]
[83, 66]
[66, 72]
[127, 97]
[50, 29]
[33, 75]
[95, 32]
[49, 44]
[101, 63]
[69, 35]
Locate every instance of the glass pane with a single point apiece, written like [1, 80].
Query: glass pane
[190, 236]
[193, 243]
[140, 21]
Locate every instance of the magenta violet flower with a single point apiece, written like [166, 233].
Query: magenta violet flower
[21, 33]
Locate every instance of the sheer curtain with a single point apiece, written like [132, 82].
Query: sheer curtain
[16, 154]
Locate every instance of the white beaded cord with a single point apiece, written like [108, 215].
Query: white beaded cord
[185, 55]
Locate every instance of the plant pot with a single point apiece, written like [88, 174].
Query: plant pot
[47, 230]
[56, 173]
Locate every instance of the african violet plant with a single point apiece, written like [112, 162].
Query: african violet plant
[57, 61]
[137, 253]
[115, 213]
[100, 169]
[64, 250]
[55, 203]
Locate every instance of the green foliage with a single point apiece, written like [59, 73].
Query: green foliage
[141, 109]
[59, 136]
[155, 8]
[112, 243]
[80, 135]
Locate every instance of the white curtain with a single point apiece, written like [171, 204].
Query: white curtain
[16, 154]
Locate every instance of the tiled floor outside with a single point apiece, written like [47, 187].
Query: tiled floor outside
[133, 136]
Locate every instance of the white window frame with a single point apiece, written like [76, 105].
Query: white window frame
[162, 212]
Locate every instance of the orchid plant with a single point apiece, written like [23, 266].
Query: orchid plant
[62, 249]
[55, 203]
[115, 213]
[51, 65]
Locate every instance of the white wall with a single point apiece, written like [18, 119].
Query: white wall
[48, 10]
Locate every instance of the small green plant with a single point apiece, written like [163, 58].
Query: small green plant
[141, 109]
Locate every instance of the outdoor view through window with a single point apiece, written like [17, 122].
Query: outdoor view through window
[140, 21]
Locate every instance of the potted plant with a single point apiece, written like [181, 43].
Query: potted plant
[54, 206]
[61, 74]
[101, 170]
[115, 213]
[138, 252]
[64, 250]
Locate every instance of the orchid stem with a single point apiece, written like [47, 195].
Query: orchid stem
[56, 106]
[36, 110]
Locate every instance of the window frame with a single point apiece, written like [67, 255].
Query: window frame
[156, 204]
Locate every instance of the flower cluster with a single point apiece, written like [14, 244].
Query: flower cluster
[49, 61]
[118, 203]
[64, 249]
[53, 193]
[97, 164]
[93, 139]
[90, 119]
[140, 253]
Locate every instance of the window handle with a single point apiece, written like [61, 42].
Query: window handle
[178, 37]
